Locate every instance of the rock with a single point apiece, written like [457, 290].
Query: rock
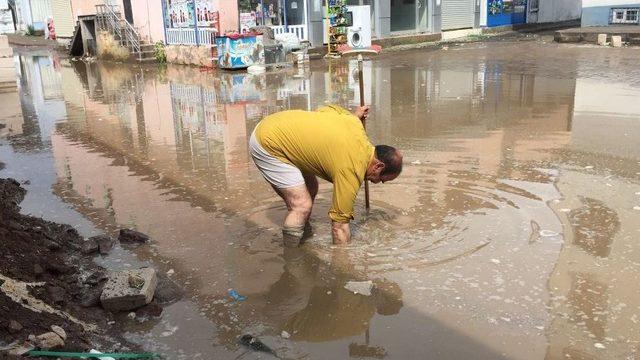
[285, 335]
[60, 331]
[53, 245]
[602, 39]
[14, 327]
[91, 297]
[96, 278]
[132, 236]
[152, 310]
[118, 295]
[167, 291]
[38, 270]
[616, 41]
[90, 246]
[360, 287]
[21, 350]
[105, 243]
[49, 341]
[56, 267]
[56, 294]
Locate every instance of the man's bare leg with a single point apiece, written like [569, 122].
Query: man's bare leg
[311, 183]
[299, 204]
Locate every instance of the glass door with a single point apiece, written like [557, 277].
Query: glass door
[403, 15]
[409, 16]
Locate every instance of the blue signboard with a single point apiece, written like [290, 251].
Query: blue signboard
[240, 52]
[506, 12]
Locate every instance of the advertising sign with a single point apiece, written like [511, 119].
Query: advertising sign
[240, 52]
[247, 21]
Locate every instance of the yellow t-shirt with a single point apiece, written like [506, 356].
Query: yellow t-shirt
[330, 143]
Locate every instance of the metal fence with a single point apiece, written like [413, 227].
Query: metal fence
[187, 36]
[299, 30]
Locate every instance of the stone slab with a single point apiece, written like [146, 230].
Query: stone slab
[121, 294]
[616, 41]
[4, 41]
[602, 39]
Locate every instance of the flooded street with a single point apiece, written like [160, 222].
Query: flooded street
[511, 233]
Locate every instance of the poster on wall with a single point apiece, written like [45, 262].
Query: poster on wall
[506, 12]
[183, 12]
[247, 21]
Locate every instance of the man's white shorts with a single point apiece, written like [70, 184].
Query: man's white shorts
[276, 172]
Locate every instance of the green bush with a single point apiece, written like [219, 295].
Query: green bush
[160, 54]
[31, 31]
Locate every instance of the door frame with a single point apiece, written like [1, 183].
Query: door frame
[127, 11]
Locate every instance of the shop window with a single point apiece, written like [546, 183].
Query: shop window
[625, 16]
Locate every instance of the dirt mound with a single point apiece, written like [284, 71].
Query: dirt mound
[45, 280]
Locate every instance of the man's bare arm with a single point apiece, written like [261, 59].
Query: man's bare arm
[340, 232]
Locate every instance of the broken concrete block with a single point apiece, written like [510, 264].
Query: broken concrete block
[4, 41]
[360, 287]
[616, 41]
[132, 236]
[59, 331]
[105, 243]
[119, 295]
[602, 39]
[49, 341]
[90, 246]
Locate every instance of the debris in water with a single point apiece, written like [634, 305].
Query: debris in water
[237, 297]
[417, 162]
[285, 334]
[255, 344]
[599, 346]
[360, 287]
[548, 233]
[636, 208]
[495, 261]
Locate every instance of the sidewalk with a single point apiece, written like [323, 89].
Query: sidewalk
[23, 40]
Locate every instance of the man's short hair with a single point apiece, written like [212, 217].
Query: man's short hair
[389, 156]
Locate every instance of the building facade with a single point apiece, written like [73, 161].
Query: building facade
[610, 12]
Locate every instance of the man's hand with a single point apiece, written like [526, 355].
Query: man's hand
[362, 112]
[340, 232]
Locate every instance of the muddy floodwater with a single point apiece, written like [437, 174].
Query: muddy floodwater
[512, 233]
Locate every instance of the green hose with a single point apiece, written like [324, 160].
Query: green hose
[78, 355]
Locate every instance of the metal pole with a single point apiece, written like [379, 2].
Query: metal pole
[364, 123]
[284, 11]
[195, 22]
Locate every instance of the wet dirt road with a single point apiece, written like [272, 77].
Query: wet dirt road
[512, 232]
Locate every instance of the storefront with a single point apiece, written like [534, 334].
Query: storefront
[409, 16]
[281, 15]
[506, 12]
[458, 14]
[197, 22]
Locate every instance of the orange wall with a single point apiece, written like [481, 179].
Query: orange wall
[147, 15]
[147, 19]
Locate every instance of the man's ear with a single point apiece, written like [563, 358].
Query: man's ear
[380, 165]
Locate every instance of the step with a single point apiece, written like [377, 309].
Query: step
[146, 47]
[148, 54]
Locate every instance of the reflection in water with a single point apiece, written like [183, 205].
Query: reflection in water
[502, 156]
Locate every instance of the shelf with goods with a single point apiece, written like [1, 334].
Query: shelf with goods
[338, 23]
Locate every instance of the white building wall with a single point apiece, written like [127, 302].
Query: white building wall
[555, 11]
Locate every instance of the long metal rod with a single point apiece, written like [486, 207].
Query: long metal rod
[364, 124]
